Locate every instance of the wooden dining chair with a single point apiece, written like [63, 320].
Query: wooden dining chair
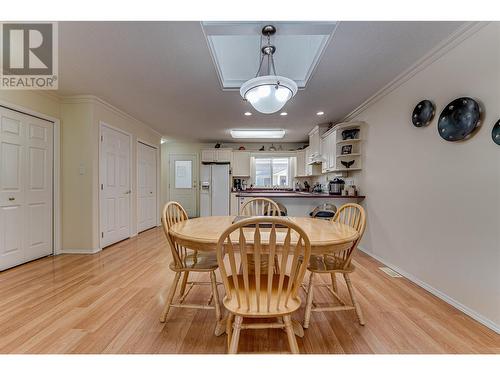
[252, 294]
[340, 262]
[186, 261]
[260, 207]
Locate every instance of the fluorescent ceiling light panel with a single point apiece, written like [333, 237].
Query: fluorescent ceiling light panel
[258, 133]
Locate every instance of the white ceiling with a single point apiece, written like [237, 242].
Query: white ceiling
[162, 73]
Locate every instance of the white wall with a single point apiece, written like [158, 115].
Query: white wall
[434, 206]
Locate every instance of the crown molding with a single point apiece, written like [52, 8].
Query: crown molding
[77, 99]
[456, 38]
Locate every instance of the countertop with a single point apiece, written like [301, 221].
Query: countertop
[292, 194]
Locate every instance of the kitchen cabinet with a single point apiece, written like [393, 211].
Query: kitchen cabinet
[308, 167]
[315, 142]
[325, 149]
[328, 151]
[216, 155]
[241, 164]
[300, 168]
[234, 206]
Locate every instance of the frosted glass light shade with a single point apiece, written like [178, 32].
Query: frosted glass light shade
[268, 94]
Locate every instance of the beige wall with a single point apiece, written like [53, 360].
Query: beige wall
[76, 185]
[41, 102]
[434, 206]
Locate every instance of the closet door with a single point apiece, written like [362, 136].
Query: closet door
[146, 182]
[26, 191]
[115, 185]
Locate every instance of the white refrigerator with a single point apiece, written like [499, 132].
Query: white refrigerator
[215, 190]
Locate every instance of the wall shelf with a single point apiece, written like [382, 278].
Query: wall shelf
[348, 155]
[348, 141]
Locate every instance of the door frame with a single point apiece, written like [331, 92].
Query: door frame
[132, 232]
[197, 174]
[158, 177]
[56, 170]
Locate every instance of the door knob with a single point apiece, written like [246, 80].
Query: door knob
[12, 199]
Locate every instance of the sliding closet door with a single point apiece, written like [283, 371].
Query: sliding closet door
[26, 188]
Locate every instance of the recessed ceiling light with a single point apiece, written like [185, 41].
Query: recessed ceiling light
[320, 113]
[283, 114]
[248, 113]
[163, 140]
[258, 133]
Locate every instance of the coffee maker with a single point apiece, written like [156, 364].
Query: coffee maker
[237, 184]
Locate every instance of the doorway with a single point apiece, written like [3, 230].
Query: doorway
[26, 187]
[115, 191]
[147, 206]
[183, 181]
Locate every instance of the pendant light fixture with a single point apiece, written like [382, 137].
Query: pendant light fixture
[268, 93]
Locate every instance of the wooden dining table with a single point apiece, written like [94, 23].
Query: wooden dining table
[203, 233]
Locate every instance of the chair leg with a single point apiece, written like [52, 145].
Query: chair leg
[218, 328]
[294, 348]
[170, 297]
[310, 289]
[233, 347]
[229, 329]
[183, 283]
[359, 313]
[333, 276]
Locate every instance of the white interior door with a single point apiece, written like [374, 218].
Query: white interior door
[183, 187]
[115, 186]
[146, 187]
[26, 188]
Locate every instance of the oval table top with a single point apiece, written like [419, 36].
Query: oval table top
[203, 233]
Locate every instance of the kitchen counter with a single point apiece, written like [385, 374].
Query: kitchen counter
[293, 194]
[297, 203]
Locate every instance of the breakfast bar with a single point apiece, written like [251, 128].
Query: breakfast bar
[298, 203]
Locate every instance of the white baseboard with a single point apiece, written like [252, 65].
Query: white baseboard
[466, 310]
[79, 251]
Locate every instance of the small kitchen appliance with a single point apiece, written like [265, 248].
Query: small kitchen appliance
[335, 186]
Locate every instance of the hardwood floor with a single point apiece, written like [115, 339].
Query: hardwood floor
[111, 302]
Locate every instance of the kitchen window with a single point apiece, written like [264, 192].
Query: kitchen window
[272, 171]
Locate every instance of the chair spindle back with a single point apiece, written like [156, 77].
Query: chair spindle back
[243, 247]
[174, 213]
[351, 214]
[260, 207]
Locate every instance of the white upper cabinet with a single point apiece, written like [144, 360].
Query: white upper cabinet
[224, 155]
[308, 167]
[241, 164]
[301, 163]
[208, 156]
[216, 155]
[328, 151]
[314, 142]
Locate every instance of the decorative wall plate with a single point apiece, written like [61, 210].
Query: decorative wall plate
[495, 133]
[459, 119]
[423, 113]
